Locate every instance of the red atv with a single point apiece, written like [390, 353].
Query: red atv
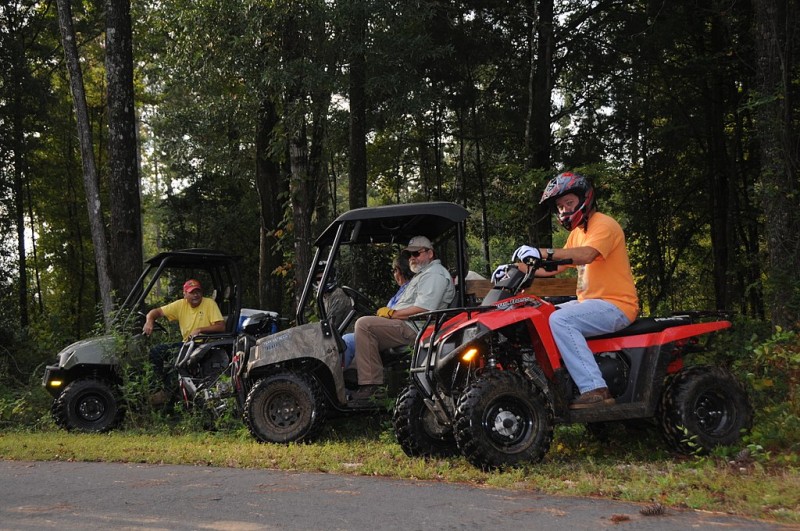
[489, 382]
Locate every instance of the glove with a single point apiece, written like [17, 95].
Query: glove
[385, 312]
[525, 251]
[500, 273]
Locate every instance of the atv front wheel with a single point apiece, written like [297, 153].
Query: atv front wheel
[285, 406]
[87, 405]
[704, 407]
[502, 419]
[417, 429]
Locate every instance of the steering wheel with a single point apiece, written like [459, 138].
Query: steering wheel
[362, 305]
[156, 325]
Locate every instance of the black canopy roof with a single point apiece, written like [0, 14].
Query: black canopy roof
[395, 223]
[191, 258]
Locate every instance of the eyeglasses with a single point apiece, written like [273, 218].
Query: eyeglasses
[417, 253]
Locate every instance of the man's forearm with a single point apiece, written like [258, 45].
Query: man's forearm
[405, 313]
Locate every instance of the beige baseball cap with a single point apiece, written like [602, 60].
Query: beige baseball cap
[418, 242]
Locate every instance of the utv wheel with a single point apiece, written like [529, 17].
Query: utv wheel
[503, 420]
[87, 405]
[704, 407]
[285, 407]
[417, 430]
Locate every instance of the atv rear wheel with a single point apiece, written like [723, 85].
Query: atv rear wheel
[502, 419]
[285, 406]
[417, 429]
[704, 407]
[87, 405]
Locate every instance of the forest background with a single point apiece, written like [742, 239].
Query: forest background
[248, 125]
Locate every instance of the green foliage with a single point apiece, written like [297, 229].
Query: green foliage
[21, 408]
[774, 374]
[769, 363]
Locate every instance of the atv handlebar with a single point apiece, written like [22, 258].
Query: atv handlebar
[542, 263]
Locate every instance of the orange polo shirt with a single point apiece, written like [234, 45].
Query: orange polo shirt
[609, 276]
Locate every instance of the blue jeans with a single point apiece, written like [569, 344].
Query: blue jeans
[350, 348]
[571, 324]
[159, 355]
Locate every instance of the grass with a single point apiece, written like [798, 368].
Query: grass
[631, 465]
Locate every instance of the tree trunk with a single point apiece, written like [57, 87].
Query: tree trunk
[18, 150]
[301, 193]
[126, 222]
[272, 187]
[542, 88]
[357, 163]
[775, 22]
[540, 95]
[481, 186]
[90, 182]
[719, 168]
[324, 206]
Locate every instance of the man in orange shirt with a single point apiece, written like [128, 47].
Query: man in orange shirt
[606, 294]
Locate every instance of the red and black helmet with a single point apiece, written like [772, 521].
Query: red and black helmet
[570, 183]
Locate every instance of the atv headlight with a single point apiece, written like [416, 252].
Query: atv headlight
[469, 354]
[471, 333]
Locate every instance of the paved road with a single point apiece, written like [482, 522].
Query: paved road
[94, 496]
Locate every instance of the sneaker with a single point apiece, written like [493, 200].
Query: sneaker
[593, 398]
[367, 394]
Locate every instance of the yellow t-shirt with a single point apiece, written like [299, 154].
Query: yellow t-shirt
[609, 276]
[206, 314]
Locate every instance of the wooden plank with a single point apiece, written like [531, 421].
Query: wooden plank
[543, 287]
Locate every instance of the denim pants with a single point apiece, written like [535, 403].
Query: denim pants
[159, 355]
[571, 324]
[350, 349]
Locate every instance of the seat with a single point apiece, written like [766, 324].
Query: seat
[648, 325]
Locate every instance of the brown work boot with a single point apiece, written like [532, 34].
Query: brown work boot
[367, 394]
[159, 398]
[594, 398]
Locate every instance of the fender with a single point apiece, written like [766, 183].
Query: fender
[675, 333]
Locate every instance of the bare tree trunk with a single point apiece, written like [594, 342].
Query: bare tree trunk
[301, 193]
[125, 204]
[542, 88]
[776, 21]
[540, 94]
[272, 187]
[324, 208]
[90, 182]
[482, 188]
[357, 161]
[18, 139]
[720, 173]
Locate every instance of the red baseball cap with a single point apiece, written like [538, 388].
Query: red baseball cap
[191, 285]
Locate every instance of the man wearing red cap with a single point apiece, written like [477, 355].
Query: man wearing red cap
[195, 315]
